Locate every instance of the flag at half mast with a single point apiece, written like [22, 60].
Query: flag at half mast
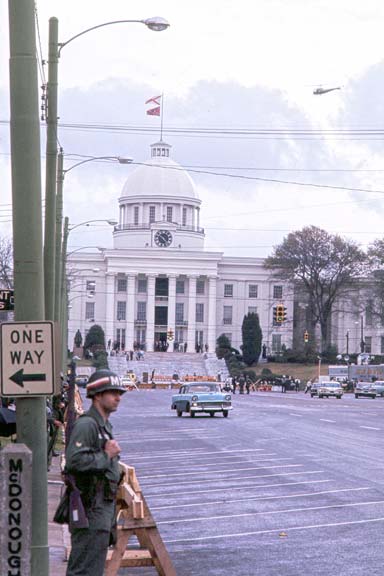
[155, 110]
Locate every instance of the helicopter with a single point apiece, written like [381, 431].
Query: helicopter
[320, 90]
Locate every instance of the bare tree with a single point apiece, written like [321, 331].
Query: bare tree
[6, 263]
[324, 266]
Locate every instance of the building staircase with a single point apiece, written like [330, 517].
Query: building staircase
[166, 364]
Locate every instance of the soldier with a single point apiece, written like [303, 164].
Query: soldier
[92, 461]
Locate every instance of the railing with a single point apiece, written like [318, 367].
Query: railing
[187, 227]
[140, 322]
[181, 322]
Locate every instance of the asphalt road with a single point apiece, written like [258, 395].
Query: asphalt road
[286, 486]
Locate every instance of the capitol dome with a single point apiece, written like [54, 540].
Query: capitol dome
[160, 176]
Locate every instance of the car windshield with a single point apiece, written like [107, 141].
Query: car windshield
[204, 388]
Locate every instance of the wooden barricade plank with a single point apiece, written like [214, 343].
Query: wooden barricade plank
[135, 519]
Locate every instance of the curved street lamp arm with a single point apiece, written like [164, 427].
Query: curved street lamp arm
[87, 222]
[89, 160]
[62, 44]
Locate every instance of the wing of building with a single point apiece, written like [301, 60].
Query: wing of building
[159, 286]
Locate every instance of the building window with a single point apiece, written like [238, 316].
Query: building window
[180, 286]
[252, 291]
[368, 344]
[136, 215]
[184, 216]
[276, 343]
[228, 290]
[141, 311]
[90, 311]
[169, 213]
[200, 286]
[382, 345]
[179, 335]
[252, 309]
[229, 336]
[121, 284]
[227, 315]
[179, 312]
[140, 336]
[199, 312]
[90, 286]
[152, 214]
[141, 286]
[278, 292]
[121, 310]
[120, 339]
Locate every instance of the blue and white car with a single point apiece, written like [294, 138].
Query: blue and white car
[201, 397]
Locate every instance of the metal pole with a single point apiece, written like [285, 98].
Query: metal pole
[50, 172]
[362, 342]
[64, 296]
[347, 338]
[28, 250]
[59, 225]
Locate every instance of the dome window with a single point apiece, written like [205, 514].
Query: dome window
[136, 215]
[152, 214]
[169, 213]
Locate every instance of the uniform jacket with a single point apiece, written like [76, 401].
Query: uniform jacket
[96, 475]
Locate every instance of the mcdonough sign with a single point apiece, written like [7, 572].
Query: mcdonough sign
[27, 366]
[16, 510]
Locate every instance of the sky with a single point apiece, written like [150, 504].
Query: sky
[280, 157]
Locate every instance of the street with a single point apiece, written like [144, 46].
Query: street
[287, 485]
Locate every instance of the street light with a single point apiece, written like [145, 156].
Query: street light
[157, 24]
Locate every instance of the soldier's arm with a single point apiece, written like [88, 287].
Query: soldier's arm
[83, 453]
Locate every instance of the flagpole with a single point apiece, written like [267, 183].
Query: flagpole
[161, 117]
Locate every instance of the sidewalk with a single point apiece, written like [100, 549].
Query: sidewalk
[58, 536]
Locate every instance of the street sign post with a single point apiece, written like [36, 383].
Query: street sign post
[27, 359]
[7, 299]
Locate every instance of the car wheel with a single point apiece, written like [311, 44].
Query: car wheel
[356, 395]
[338, 397]
[320, 395]
[211, 414]
[192, 414]
[179, 413]
[225, 413]
[373, 397]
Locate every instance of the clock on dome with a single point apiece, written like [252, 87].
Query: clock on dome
[163, 238]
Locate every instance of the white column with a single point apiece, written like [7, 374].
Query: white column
[150, 312]
[131, 300]
[110, 308]
[211, 340]
[171, 308]
[191, 313]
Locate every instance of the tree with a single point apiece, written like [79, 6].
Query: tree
[323, 265]
[6, 263]
[95, 339]
[252, 338]
[78, 339]
[223, 346]
[376, 287]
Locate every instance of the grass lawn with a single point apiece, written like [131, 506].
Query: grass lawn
[302, 371]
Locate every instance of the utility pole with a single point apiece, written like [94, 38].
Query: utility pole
[28, 251]
[59, 219]
[50, 172]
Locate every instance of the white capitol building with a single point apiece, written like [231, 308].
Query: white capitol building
[159, 278]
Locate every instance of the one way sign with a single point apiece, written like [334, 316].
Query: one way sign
[27, 366]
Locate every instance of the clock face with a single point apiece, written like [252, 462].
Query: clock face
[163, 238]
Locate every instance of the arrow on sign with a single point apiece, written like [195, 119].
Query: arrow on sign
[19, 378]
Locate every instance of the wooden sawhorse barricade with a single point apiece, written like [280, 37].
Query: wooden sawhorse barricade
[135, 519]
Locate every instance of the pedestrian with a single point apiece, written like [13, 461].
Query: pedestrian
[234, 383]
[241, 384]
[92, 460]
[248, 384]
[308, 386]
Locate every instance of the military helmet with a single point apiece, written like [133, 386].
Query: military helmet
[103, 380]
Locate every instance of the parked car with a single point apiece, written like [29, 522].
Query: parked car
[379, 387]
[328, 389]
[203, 397]
[365, 390]
[314, 389]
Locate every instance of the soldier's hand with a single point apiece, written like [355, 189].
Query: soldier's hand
[112, 448]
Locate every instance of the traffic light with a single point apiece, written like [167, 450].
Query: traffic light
[306, 337]
[170, 334]
[280, 313]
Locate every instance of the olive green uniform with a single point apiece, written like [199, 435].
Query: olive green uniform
[97, 477]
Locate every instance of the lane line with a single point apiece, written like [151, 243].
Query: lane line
[325, 420]
[280, 497]
[369, 428]
[270, 512]
[221, 463]
[298, 415]
[220, 471]
[235, 479]
[193, 451]
[274, 531]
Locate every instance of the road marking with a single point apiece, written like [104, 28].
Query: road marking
[234, 479]
[158, 439]
[218, 463]
[369, 428]
[190, 452]
[219, 471]
[274, 531]
[325, 420]
[298, 415]
[279, 497]
[232, 489]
